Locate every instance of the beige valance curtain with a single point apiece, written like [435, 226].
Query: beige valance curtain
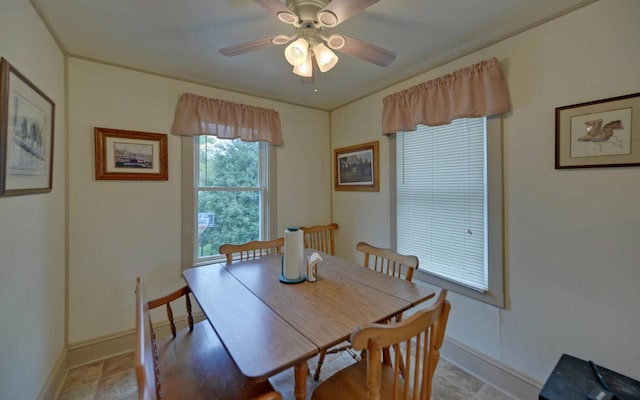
[475, 91]
[197, 115]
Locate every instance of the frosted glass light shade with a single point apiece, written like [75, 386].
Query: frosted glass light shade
[325, 58]
[305, 69]
[296, 52]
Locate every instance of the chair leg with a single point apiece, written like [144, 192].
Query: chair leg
[348, 348]
[316, 376]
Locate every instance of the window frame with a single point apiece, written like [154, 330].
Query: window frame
[190, 187]
[495, 294]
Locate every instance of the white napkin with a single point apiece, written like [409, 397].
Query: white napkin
[312, 266]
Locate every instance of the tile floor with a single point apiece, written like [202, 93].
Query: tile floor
[114, 379]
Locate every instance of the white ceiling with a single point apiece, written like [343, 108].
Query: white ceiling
[180, 38]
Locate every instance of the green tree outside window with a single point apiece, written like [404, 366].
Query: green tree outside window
[229, 187]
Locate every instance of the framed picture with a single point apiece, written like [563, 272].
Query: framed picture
[356, 167]
[602, 133]
[130, 155]
[26, 135]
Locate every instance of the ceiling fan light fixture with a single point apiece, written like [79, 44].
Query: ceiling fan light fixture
[308, 49]
[335, 41]
[305, 69]
[325, 58]
[287, 17]
[281, 39]
[327, 19]
[296, 52]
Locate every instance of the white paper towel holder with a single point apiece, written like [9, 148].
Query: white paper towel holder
[302, 278]
[284, 279]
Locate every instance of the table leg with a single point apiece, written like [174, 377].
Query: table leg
[301, 380]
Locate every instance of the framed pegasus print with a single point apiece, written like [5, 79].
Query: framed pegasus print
[601, 133]
[26, 135]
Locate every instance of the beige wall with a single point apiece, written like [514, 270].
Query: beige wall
[122, 229]
[32, 227]
[572, 235]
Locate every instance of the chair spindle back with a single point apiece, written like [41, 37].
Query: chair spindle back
[253, 249]
[388, 261]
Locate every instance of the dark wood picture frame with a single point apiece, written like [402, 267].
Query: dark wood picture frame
[27, 120]
[130, 155]
[601, 133]
[356, 168]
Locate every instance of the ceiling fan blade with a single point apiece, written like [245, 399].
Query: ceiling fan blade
[338, 11]
[367, 51]
[246, 47]
[278, 9]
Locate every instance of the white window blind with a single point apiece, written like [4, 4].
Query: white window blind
[441, 200]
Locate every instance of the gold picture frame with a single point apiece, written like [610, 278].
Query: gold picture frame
[27, 120]
[130, 155]
[356, 168]
[601, 133]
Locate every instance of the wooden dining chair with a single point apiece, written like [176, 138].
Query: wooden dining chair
[320, 237]
[415, 344]
[190, 363]
[388, 261]
[382, 260]
[253, 249]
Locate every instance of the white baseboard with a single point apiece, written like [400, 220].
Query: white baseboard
[99, 348]
[502, 377]
[56, 378]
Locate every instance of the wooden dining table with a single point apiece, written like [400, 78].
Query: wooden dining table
[268, 326]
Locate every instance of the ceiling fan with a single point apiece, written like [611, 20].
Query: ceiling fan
[308, 51]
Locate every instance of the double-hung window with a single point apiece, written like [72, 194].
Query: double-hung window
[229, 196]
[448, 205]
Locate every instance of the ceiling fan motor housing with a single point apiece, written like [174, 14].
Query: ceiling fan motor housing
[307, 10]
